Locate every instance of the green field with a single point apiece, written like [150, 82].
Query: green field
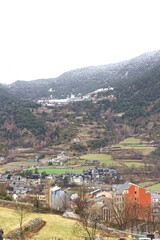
[135, 164]
[147, 184]
[132, 141]
[128, 143]
[155, 187]
[103, 158]
[23, 163]
[135, 143]
[59, 167]
[58, 171]
[56, 226]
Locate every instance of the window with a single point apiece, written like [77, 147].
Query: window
[135, 192]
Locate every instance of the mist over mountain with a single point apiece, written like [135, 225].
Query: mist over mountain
[87, 79]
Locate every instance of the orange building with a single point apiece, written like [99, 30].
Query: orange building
[140, 199]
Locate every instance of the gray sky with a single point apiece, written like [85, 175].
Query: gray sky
[44, 38]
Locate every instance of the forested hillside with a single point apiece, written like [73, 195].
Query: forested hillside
[140, 97]
[16, 120]
[136, 103]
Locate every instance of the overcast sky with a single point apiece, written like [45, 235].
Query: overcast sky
[44, 38]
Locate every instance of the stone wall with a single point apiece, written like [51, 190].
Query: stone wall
[29, 227]
[12, 204]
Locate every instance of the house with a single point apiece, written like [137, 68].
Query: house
[102, 201]
[134, 197]
[93, 194]
[59, 199]
[156, 205]
[2, 159]
[76, 179]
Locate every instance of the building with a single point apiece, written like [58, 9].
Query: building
[135, 198]
[59, 199]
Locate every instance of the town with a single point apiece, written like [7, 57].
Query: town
[116, 201]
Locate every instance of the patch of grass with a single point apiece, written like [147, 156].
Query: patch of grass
[103, 158]
[136, 144]
[7, 167]
[135, 164]
[145, 150]
[56, 226]
[155, 187]
[54, 167]
[147, 184]
[133, 141]
[58, 171]
[22, 163]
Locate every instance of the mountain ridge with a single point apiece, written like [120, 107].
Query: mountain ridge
[85, 80]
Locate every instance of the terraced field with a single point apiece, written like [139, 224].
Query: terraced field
[135, 143]
[138, 145]
[103, 158]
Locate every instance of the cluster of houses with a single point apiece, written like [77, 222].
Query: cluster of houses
[61, 159]
[92, 176]
[124, 199]
[19, 187]
[61, 102]
[109, 202]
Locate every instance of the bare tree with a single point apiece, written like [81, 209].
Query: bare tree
[22, 212]
[90, 218]
[120, 210]
[125, 212]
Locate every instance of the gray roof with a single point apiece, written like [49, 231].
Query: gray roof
[123, 187]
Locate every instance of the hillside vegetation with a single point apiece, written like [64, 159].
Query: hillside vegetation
[17, 122]
[140, 97]
[87, 125]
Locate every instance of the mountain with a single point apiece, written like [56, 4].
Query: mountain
[87, 79]
[136, 98]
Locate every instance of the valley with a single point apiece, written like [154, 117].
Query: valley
[88, 133]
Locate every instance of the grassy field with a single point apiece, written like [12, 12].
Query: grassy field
[147, 184]
[56, 226]
[129, 143]
[103, 158]
[23, 163]
[132, 141]
[59, 167]
[135, 143]
[58, 171]
[155, 187]
[8, 167]
[135, 164]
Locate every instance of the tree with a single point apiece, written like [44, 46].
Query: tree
[124, 212]
[36, 171]
[90, 218]
[3, 189]
[43, 174]
[21, 212]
